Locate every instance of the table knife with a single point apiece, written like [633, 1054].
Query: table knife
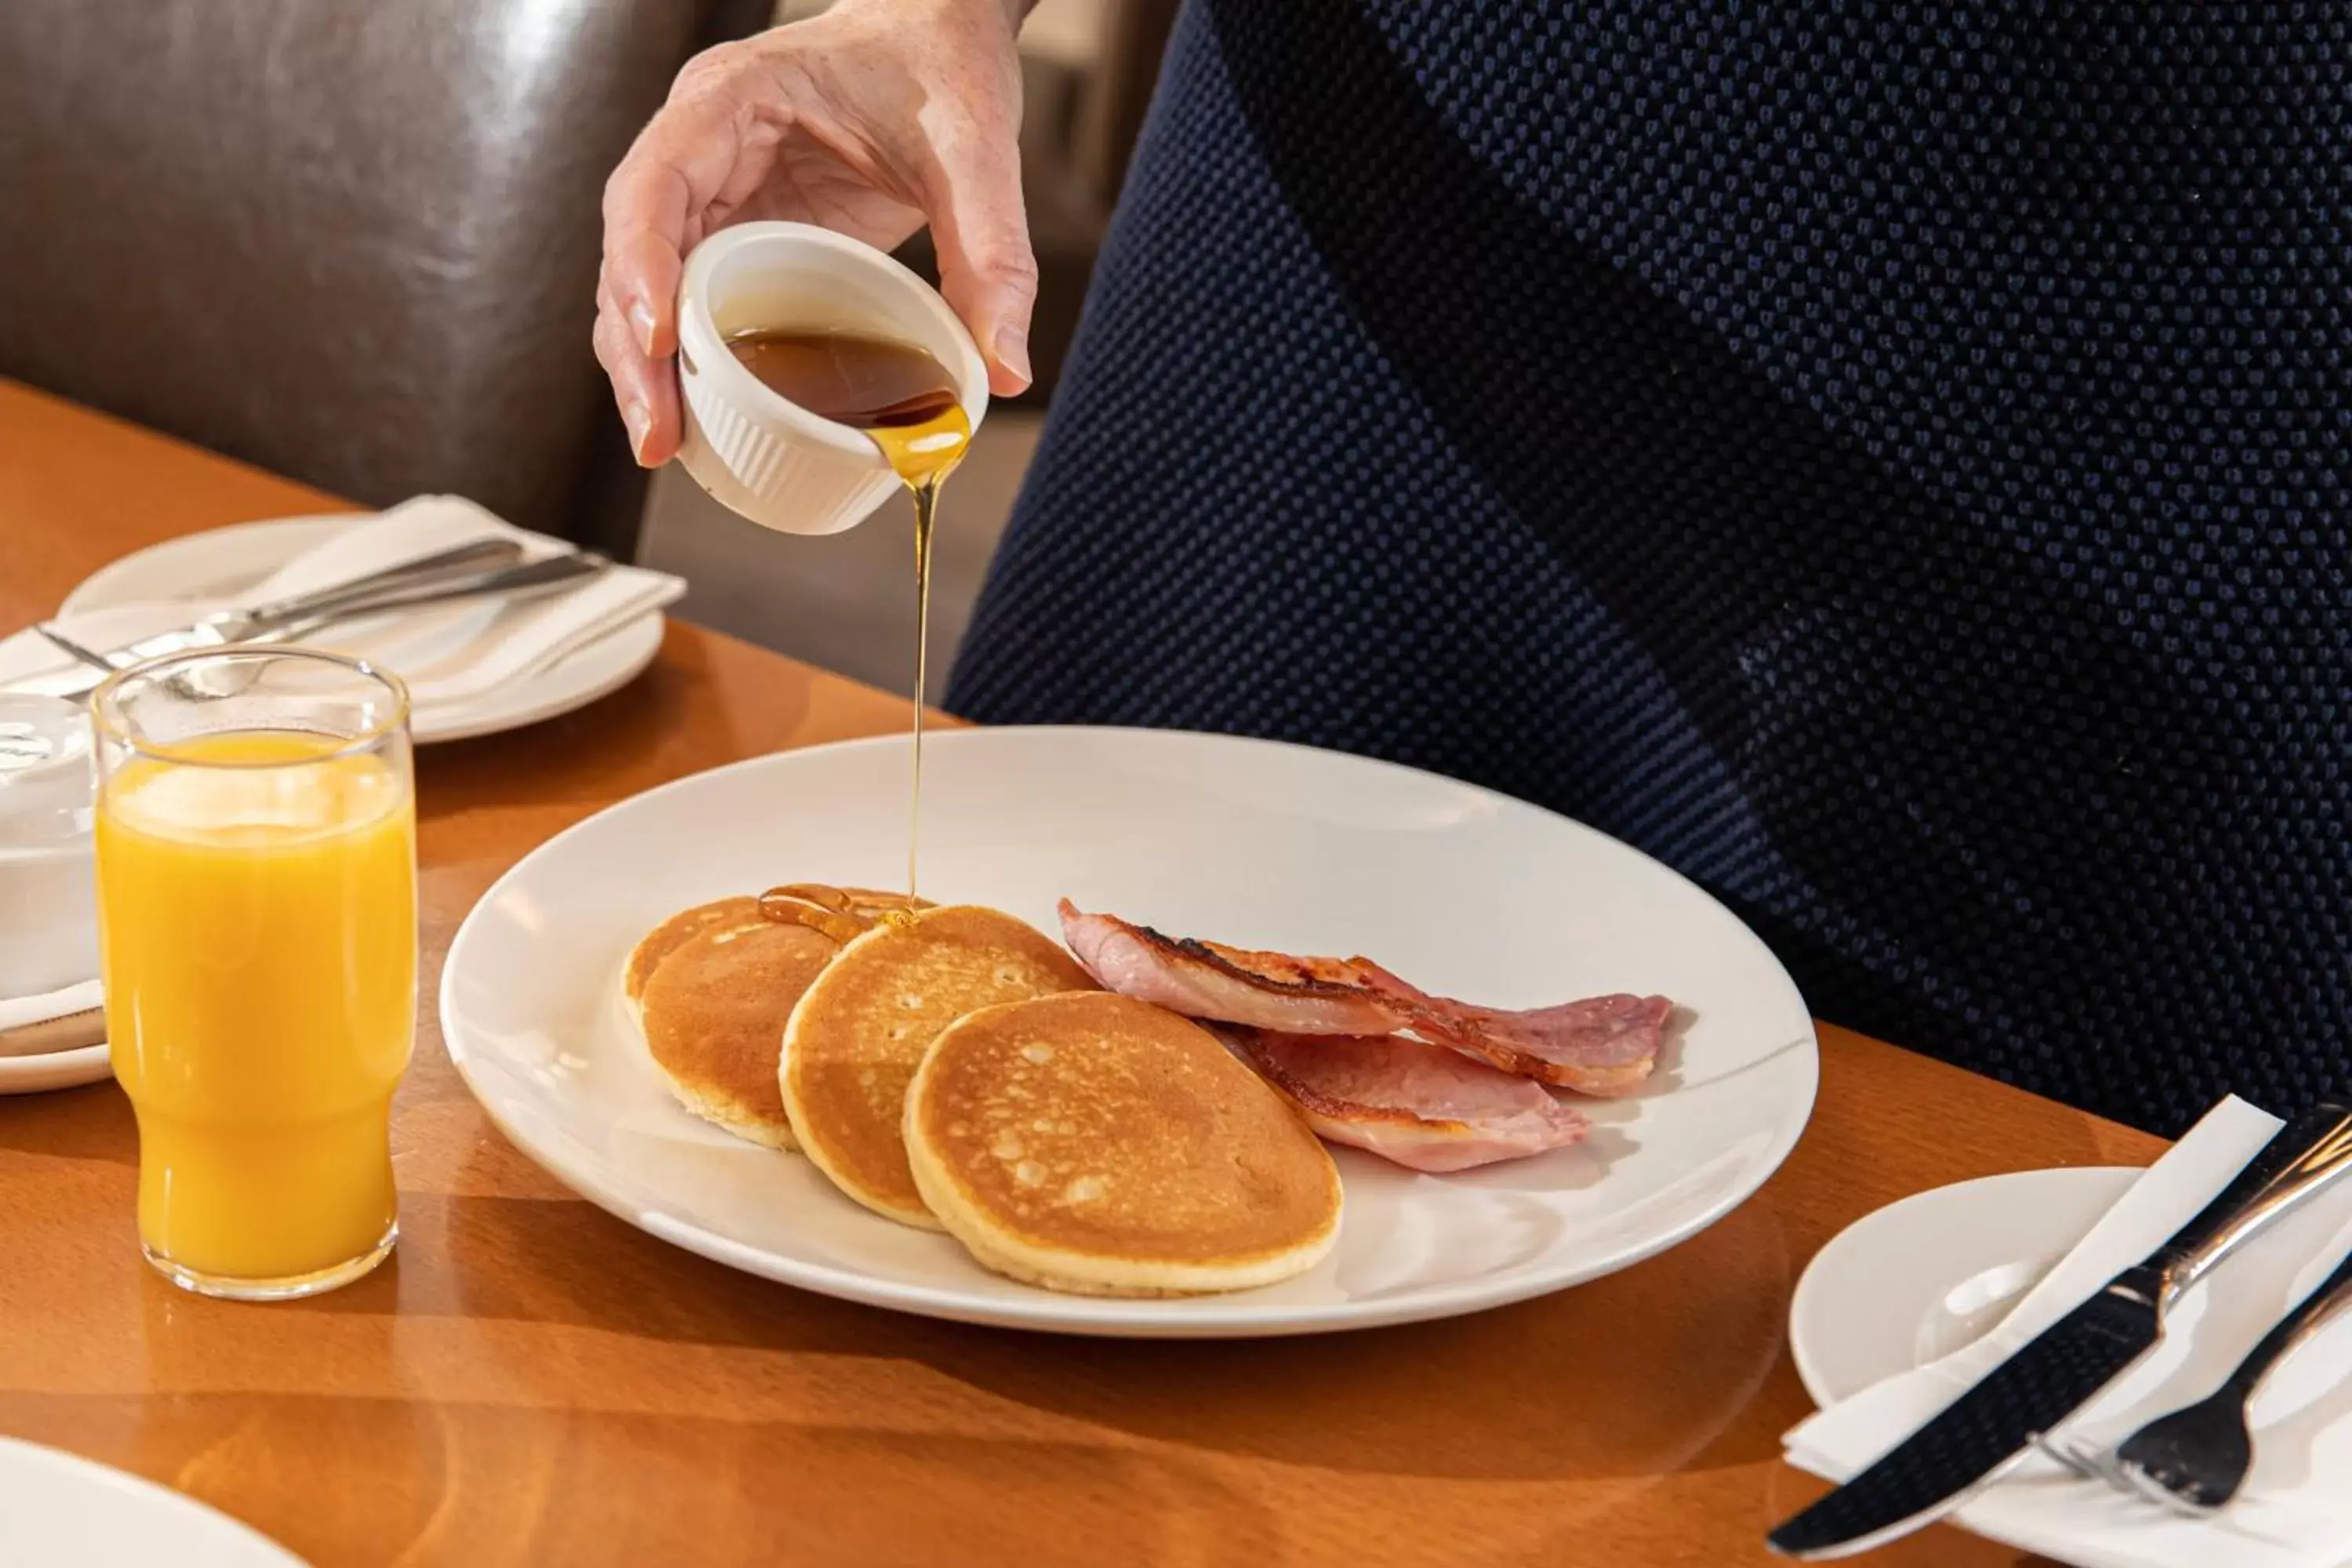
[474, 559]
[549, 574]
[1992, 1425]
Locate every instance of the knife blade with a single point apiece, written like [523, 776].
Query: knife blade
[1989, 1429]
[473, 560]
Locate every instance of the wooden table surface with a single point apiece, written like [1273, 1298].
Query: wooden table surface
[532, 1381]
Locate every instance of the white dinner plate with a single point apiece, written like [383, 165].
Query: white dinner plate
[1917, 1279]
[221, 562]
[1461, 890]
[61, 1511]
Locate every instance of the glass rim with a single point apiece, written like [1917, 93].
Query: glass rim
[106, 700]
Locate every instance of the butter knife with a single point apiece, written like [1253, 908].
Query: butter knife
[1989, 1429]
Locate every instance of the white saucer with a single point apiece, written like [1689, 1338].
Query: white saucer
[221, 562]
[1915, 1281]
[55, 1070]
[1263, 846]
[61, 1511]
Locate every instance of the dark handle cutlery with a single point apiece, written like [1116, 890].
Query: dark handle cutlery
[1977, 1437]
[2195, 1459]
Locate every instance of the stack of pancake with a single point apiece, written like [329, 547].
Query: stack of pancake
[953, 1067]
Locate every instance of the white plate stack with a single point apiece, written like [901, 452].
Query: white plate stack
[51, 1035]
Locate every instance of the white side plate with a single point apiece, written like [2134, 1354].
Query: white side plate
[1915, 1281]
[221, 562]
[61, 1511]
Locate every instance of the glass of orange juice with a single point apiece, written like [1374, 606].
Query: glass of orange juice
[257, 888]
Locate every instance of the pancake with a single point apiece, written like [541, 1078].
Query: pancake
[1100, 1145]
[714, 1018]
[858, 1034]
[668, 937]
[711, 988]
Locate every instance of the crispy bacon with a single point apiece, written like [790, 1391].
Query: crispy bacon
[1205, 980]
[1422, 1106]
[1599, 1046]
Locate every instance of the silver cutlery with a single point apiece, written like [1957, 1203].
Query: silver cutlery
[530, 580]
[2194, 1460]
[454, 565]
[1981, 1435]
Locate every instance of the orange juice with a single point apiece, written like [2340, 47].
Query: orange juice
[258, 911]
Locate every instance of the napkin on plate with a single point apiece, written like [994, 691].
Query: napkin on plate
[2297, 1509]
[449, 655]
[21, 1018]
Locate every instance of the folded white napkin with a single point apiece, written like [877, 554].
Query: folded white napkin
[21, 1012]
[451, 656]
[2297, 1509]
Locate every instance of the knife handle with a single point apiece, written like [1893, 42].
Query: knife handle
[2301, 1160]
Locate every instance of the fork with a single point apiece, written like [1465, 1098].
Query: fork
[2194, 1460]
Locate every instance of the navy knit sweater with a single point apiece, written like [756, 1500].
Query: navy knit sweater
[1887, 461]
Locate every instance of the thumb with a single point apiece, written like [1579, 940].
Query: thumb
[987, 270]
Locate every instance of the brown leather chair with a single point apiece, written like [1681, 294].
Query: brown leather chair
[355, 241]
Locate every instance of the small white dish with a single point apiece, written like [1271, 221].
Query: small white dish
[1914, 1281]
[220, 563]
[61, 1511]
[1459, 890]
[770, 461]
[48, 911]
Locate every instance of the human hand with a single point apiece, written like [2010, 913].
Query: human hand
[871, 118]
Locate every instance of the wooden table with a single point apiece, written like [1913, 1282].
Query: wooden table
[532, 1381]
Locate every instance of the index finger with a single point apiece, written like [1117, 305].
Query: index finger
[645, 238]
[691, 154]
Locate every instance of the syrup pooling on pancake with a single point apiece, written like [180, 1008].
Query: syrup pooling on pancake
[1599, 1046]
[843, 914]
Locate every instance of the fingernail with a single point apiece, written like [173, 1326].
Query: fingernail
[640, 423]
[1012, 351]
[641, 316]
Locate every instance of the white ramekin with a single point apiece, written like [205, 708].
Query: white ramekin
[777, 464]
[48, 884]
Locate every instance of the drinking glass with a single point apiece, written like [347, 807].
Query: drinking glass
[256, 880]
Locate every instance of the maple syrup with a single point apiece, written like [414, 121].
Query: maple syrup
[907, 404]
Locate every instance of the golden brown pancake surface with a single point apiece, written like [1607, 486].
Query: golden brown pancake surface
[714, 1020]
[1096, 1143]
[859, 1033]
[676, 931]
